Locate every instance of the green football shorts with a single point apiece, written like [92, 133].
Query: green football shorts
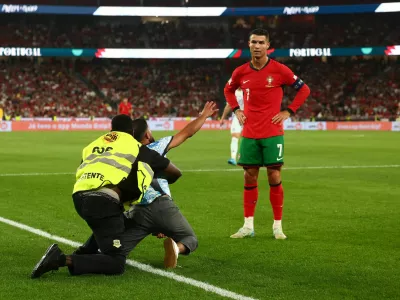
[261, 152]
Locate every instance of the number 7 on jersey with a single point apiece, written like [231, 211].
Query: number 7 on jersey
[247, 94]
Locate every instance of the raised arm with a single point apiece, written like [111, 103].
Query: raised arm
[194, 126]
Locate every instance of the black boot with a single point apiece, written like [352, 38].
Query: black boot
[51, 260]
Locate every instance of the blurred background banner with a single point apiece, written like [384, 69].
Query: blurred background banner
[180, 124]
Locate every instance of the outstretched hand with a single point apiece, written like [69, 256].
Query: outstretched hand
[281, 117]
[209, 109]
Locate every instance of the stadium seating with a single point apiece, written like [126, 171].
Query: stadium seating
[285, 31]
[342, 88]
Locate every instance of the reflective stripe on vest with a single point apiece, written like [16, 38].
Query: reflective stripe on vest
[131, 158]
[93, 158]
[107, 160]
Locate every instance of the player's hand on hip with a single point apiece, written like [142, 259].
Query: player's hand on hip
[241, 117]
[281, 117]
[209, 109]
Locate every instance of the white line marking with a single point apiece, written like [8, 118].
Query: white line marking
[233, 169]
[196, 283]
[35, 174]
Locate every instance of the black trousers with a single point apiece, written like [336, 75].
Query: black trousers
[105, 217]
[161, 216]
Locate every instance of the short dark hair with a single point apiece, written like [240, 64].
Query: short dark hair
[140, 127]
[122, 123]
[260, 31]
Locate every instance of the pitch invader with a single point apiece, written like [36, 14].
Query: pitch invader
[236, 128]
[262, 143]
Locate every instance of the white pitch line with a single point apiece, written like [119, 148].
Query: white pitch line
[196, 283]
[233, 169]
[35, 174]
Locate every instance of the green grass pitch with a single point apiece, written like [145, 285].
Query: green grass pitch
[342, 223]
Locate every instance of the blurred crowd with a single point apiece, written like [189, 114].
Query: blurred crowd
[175, 88]
[135, 32]
[29, 89]
[341, 88]
[349, 89]
[308, 31]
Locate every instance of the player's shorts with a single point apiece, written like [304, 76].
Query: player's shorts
[261, 152]
[235, 126]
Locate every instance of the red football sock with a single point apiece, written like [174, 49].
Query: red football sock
[250, 197]
[276, 199]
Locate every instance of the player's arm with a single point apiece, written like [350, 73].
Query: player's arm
[229, 92]
[225, 113]
[303, 91]
[230, 89]
[171, 173]
[194, 126]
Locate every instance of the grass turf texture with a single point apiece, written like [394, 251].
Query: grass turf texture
[342, 224]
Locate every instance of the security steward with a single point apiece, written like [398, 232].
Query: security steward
[109, 175]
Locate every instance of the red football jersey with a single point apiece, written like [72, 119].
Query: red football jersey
[125, 108]
[262, 93]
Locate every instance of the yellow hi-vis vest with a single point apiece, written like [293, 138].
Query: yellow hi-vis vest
[108, 160]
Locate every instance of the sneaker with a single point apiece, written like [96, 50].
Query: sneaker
[232, 161]
[243, 232]
[278, 233]
[49, 261]
[171, 253]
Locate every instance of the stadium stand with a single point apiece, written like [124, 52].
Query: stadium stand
[350, 88]
[135, 32]
[342, 88]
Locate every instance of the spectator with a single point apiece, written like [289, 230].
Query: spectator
[297, 31]
[125, 107]
[341, 88]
